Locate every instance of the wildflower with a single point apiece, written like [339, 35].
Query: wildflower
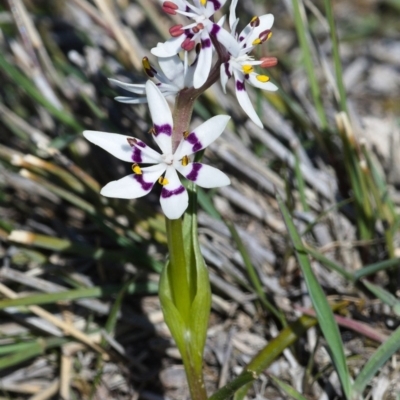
[198, 32]
[241, 64]
[173, 76]
[164, 168]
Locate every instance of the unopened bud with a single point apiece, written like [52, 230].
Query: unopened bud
[188, 44]
[268, 62]
[169, 7]
[176, 30]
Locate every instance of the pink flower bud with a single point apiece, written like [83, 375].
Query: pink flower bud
[169, 7]
[268, 62]
[188, 44]
[176, 30]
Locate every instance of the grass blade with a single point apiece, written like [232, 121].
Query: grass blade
[291, 392]
[323, 311]
[384, 352]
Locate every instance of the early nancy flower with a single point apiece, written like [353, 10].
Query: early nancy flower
[173, 76]
[164, 168]
[241, 64]
[197, 32]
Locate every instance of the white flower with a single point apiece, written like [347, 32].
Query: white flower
[174, 197]
[174, 75]
[197, 32]
[241, 64]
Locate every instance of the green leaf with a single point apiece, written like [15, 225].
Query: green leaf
[264, 359]
[287, 388]
[199, 282]
[323, 311]
[384, 352]
[384, 296]
[172, 316]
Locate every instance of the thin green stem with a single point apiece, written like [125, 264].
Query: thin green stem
[336, 55]
[178, 276]
[308, 63]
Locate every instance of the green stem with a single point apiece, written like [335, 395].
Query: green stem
[177, 270]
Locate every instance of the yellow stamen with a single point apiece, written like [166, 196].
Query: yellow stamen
[146, 63]
[256, 41]
[185, 161]
[262, 78]
[269, 35]
[136, 169]
[185, 134]
[163, 181]
[247, 69]
[203, 2]
[254, 19]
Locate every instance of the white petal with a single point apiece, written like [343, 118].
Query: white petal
[204, 175]
[261, 85]
[131, 100]
[131, 87]
[232, 14]
[204, 61]
[174, 198]
[134, 186]
[225, 38]
[221, 21]
[244, 100]
[169, 48]
[213, 5]
[225, 74]
[172, 67]
[250, 34]
[161, 116]
[202, 136]
[119, 147]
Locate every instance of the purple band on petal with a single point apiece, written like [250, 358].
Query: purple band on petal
[226, 66]
[240, 86]
[205, 43]
[195, 142]
[136, 155]
[145, 185]
[165, 193]
[166, 129]
[216, 4]
[140, 144]
[194, 173]
[215, 29]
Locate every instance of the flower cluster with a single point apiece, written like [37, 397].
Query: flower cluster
[198, 40]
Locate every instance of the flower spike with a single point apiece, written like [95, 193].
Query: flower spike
[241, 65]
[164, 167]
[199, 32]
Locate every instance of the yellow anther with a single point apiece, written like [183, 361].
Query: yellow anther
[185, 161]
[146, 63]
[269, 35]
[262, 78]
[185, 134]
[136, 169]
[203, 2]
[254, 19]
[163, 181]
[256, 41]
[247, 69]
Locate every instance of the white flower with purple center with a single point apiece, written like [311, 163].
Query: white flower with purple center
[241, 65]
[198, 32]
[165, 168]
[173, 76]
